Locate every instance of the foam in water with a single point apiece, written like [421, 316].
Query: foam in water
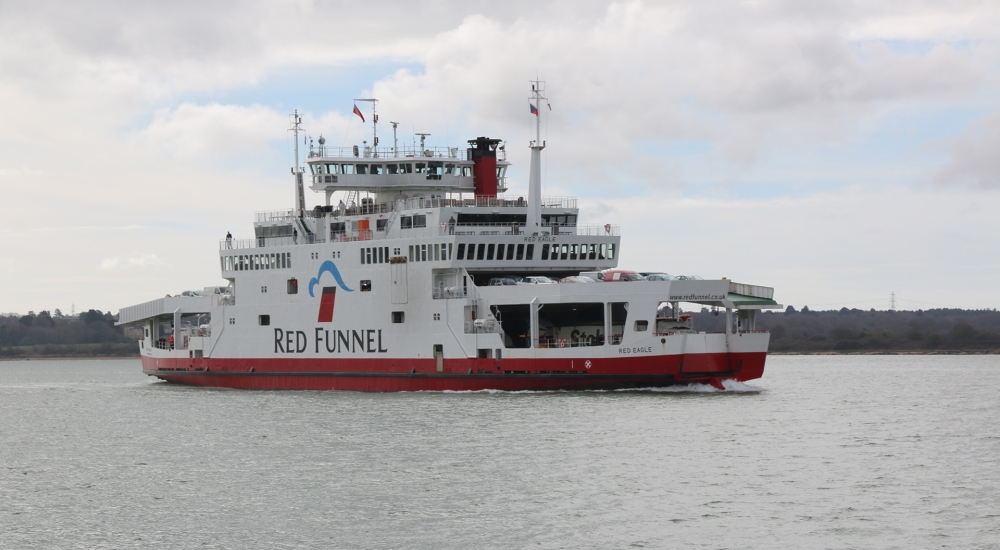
[730, 385]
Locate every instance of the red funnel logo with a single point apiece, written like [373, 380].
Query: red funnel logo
[326, 304]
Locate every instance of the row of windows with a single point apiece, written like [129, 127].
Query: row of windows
[408, 222]
[495, 251]
[430, 253]
[377, 255]
[606, 251]
[254, 262]
[433, 168]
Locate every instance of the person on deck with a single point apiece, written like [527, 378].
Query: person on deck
[229, 239]
[295, 236]
[451, 225]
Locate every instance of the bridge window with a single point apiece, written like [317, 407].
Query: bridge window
[545, 252]
[405, 222]
[377, 169]
[435, 168]
[489, 251]
[481, 252]
[361, 169]
[461, 252]
[316, 168]
[348, 168]
[391, 168]
[332, 168]
[406, 168]
[419, 220]
[467, 171]
[450, 169]
[500, 251]
[510, 252]
[421, 168]
[520, 252]
[530, 253]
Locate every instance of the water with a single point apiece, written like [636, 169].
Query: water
[824, 452]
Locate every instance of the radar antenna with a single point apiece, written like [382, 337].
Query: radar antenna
[422, 138]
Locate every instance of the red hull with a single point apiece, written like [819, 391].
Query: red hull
[458, 374]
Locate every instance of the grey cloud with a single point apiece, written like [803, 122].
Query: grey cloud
[975, 156]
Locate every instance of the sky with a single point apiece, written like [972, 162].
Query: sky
[836, 151]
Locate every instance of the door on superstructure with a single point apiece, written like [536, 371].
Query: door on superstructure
[439, 357]
[398, 292]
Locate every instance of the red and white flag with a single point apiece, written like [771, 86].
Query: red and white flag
[358, 112]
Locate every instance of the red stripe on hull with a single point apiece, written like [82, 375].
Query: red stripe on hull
[458, 374]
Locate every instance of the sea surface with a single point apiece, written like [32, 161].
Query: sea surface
[823, 452]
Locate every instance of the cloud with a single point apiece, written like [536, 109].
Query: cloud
[19, 172]
[163, 116]
[141, 261]
[213, 130]
[975, 156]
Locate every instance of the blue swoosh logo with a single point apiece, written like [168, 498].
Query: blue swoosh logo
[327, 267]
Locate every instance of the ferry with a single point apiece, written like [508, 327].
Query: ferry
[417, 272]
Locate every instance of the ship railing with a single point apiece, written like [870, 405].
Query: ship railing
[518, 229]
[273, 215]
[449, 292]
[366, 208]
[578, 342]
[345, 237]
[288, 240]
[483, 326]
[503, 202]
[369, 152]
[606, 230]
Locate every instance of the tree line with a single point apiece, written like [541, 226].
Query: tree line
[53, 334]
[854, 330]
[93, 333]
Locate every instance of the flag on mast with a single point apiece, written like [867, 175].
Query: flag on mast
[534, 110]
[358, 112]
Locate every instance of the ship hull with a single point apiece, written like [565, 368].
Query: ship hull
[458, 374]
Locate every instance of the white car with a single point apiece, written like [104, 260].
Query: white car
[536, 280]
[577, 279]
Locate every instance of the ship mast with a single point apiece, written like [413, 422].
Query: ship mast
[533, 223]
[374, 126]
[300, 198]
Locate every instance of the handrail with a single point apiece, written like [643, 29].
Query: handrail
[414, 204]
[578, 342]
